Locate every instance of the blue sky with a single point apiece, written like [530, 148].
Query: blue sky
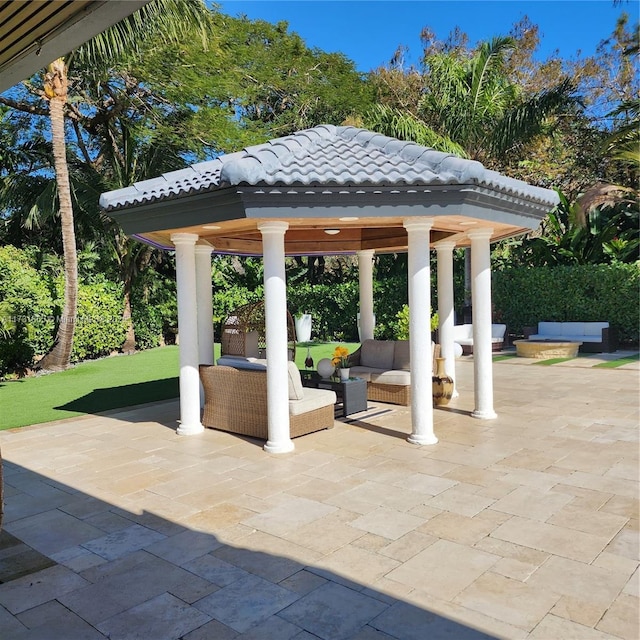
[369, 31]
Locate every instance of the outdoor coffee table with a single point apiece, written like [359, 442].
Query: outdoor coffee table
[543, 349]
[352, 393]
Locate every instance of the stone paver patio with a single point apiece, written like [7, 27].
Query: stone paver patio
[521, 527]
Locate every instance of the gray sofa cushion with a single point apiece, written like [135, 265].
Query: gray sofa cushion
[377, 354]
[402, 355]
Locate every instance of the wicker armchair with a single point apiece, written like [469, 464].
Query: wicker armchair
[236, 401]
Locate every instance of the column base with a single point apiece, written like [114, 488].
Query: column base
[484, 415]
[415, 438]
[190, 429]
[279, 447]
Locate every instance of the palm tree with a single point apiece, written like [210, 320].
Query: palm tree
[471, 103]
[172, 18]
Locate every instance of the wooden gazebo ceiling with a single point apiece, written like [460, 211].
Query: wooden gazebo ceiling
[310, 237]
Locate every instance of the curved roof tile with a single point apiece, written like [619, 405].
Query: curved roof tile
[326, 154]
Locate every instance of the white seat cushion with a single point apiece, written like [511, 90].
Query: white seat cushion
[399, 377]
[313, 399]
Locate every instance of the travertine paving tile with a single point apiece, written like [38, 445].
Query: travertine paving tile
[408, 545]
[459, 501]
[560, 541]
[628, 507]
[289, 515]
[443, 569]
[622, 618]
[184, 546]
[164, 617]
[246, 602]
[554, 627]
[333, 612]
[530, 502]
[595, 522]
[120, 543]
[424, 483]
[357, 564]
[35, 589]
[53, 531]
[591, 589]
[458, 528]
[387, 522]
[627, 542]
[511, 601]
[369, 495]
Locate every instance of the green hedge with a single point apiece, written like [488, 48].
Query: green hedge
[590, 293]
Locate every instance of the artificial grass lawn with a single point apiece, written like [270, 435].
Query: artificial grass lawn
[612, 364]
[111, 383]
[91, 387]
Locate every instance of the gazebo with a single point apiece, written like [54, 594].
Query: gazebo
[332, 190]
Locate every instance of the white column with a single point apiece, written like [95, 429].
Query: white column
[419, 276]
[481, 304]
[275, 293]
[204, 295]
[444, 250]
[365, 278]
[188, 332]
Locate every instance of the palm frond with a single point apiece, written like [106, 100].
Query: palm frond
[174, 19]
[525, 121]
[489, 57]
[405, 126]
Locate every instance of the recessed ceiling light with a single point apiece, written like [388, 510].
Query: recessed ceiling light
[211, 227]
[332, 232]
[468, 223]
[349, 218]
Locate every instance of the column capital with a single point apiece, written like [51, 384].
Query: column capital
[366, 253]
[480, 234]
[184, 238]
[273, 226]
[204, 249]
[444, 245]
[417, 224]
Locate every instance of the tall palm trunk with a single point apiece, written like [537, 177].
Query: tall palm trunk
[55, 87]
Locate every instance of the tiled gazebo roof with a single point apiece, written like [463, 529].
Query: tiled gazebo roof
[323, 177]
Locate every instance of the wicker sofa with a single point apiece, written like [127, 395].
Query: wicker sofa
[596, 337]
[236, 399]
[385, 365]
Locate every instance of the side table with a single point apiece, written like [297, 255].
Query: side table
[352, 393]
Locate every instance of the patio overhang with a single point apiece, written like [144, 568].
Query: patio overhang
[34, 33]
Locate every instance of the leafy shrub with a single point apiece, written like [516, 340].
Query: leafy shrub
[100, 328]
[27, 310]
[402, 332]
[154, 309]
